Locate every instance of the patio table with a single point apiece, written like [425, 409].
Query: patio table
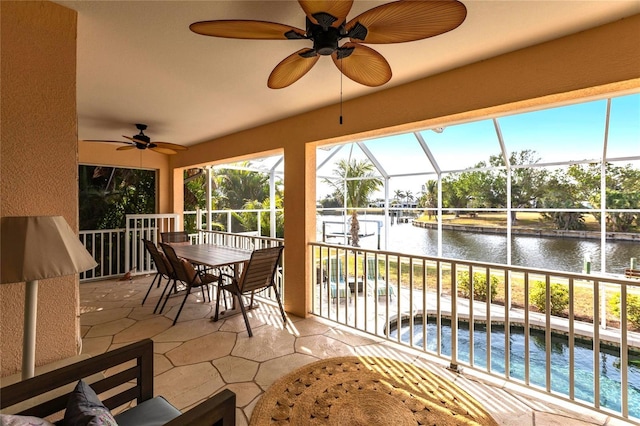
[215, 256]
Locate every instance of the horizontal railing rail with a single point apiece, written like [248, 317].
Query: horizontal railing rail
[571, 335]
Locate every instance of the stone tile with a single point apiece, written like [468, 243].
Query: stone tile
[99, 305]
[84, 329]
[504, 407]
[161, 364]
[309, 327]
[184, 331]
[266, 343]
[205, 348]
[241, 419]
[272, 370]
[103, 316]
[183, 385]
[248, 410]
[96, 345]
[323, 347]
[190, 311]
[245, 392]
[142, 330]
[140, 313]
[110, 328]
[348, 338]
[550, 419]
[161, 347]
[236, 323]
[234, 369]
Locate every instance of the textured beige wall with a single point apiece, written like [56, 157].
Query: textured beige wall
[592, 63]
[38, 166]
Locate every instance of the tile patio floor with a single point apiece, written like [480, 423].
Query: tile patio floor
[197, 358]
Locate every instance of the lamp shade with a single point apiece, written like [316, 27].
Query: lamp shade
[39, 247]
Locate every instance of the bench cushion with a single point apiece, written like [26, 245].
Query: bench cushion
[152, 412]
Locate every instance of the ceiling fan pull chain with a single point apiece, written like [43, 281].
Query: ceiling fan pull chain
[341, 74]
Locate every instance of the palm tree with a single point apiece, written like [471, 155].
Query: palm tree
[360, 181]
[398, 195]
[429, 198]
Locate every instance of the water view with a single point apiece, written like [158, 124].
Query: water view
[562, 254]
[609, 360]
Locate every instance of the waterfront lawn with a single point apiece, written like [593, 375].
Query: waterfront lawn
[499, 220]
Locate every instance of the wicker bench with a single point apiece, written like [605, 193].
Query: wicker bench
[132, 381]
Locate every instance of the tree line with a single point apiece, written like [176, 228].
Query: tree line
[576, 186]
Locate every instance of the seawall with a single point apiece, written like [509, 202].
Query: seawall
[534, 232]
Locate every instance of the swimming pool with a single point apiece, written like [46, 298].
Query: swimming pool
[583, 358]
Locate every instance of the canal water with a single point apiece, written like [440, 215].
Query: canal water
[609, 361]
[561, 254]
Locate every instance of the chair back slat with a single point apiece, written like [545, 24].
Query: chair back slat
[159, 260]
[174, 237]
[261, 269]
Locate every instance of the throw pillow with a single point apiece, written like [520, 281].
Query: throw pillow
[13, 420]
[84, 408]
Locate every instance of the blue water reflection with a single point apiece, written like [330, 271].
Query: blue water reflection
[561, 254]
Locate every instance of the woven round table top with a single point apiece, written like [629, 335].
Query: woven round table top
[366, 391]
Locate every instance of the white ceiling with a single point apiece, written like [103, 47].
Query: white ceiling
[138, 62]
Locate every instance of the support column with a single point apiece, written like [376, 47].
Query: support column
[300, 225]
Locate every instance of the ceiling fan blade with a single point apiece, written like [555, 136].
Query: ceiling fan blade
[163, 150]
[124, 148]
[100, 140]
[336, 8]
[364, 65]
[247, 29]
[136, 141]
[403, 21]
[171, 146]
[292, 68]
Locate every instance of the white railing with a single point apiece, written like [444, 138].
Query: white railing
[423, 302]
[118, 251]
[225, 220]
[107, 248]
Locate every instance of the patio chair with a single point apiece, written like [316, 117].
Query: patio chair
[187, 274]
[337, 283]
[373, 277]
[175, 237]
[257, 275]
[163, 270]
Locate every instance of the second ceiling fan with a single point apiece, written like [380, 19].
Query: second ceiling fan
[326, 26]
[142, 141]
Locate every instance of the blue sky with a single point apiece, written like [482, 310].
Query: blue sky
[568, 133]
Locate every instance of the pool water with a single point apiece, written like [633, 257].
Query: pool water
[609, 361]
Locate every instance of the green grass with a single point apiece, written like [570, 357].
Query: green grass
[524, 220]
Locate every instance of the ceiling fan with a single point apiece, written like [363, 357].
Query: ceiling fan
[142, 141]
[326, 27]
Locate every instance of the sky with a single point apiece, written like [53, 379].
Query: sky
[567, 133]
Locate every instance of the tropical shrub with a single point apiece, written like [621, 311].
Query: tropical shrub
[479, 285]
[559, 297]
[633, 307]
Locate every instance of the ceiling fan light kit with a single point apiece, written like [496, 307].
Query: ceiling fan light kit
[326, 26]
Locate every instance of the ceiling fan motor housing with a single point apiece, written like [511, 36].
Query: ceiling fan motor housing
[325, 40]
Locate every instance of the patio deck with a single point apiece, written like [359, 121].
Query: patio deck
[197, 358]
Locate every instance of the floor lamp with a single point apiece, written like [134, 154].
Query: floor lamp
[35, 248]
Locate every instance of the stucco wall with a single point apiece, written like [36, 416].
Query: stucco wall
[592, 63]
[38, 163]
